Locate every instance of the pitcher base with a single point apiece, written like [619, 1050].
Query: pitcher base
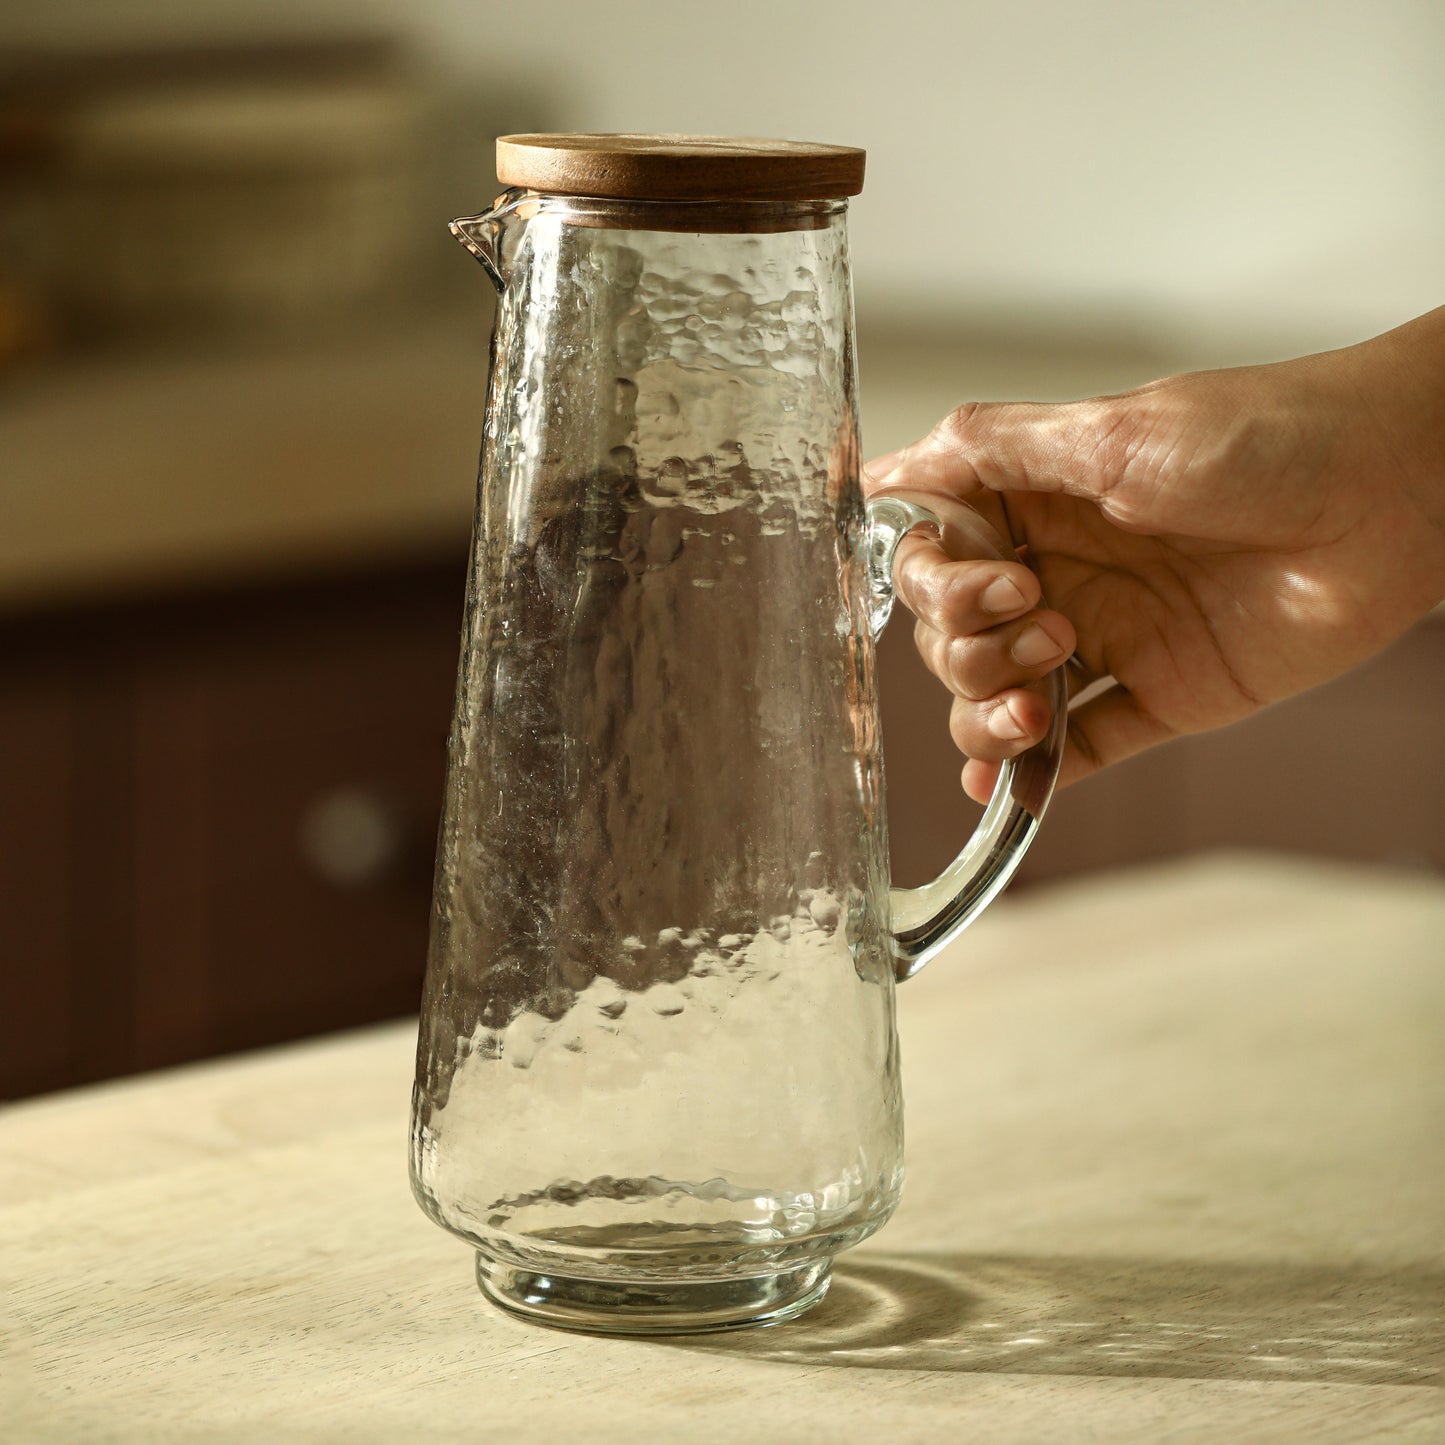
[673, 1307]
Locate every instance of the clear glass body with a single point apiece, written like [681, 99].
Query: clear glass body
[657, 1077]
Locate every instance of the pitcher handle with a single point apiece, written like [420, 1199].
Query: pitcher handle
[927, 918]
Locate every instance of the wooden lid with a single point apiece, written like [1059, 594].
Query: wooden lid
[680, 167]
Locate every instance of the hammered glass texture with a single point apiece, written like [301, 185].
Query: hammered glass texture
[658, 1035]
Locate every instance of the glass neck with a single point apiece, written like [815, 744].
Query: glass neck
[760, 217]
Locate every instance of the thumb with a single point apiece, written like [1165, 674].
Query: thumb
[1013, 446]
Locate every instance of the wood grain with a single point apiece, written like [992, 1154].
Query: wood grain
[1175, 1168]
[680, 167]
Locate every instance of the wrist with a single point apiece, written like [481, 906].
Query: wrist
[1401, 379]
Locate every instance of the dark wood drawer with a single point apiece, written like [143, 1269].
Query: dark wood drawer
[1352, 770]
[219, 810]
[222, 815]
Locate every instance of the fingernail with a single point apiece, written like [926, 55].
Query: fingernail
[1033, 645]
[1002, 595]
[1001, 724]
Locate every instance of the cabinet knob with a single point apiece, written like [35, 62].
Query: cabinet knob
[352, 836]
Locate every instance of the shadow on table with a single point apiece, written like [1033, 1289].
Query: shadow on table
[1115, 1317]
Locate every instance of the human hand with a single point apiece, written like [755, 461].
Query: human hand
[1208, 544]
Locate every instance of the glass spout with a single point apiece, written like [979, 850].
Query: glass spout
[481, 236]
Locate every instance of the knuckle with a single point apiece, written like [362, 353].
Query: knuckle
[968, 727]
[962, 662]
[925, 640]
[961, 726]
[957, 425]
[1110, 446]
[955, 597]
[1111, 424]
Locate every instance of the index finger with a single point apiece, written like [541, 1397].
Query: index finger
[960, 596]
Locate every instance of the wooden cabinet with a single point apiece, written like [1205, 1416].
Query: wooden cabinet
[1353, 770]
[220, 816]
[219, 809]
[42, 837]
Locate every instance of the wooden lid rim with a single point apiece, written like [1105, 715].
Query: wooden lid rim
[679, 167]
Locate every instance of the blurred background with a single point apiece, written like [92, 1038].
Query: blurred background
[242, 371]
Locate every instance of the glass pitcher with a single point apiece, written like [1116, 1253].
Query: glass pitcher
[657, 1078]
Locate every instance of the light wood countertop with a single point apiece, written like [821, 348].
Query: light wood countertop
[1175, 1173]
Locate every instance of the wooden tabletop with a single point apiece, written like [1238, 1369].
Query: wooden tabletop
[1175, 1173]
